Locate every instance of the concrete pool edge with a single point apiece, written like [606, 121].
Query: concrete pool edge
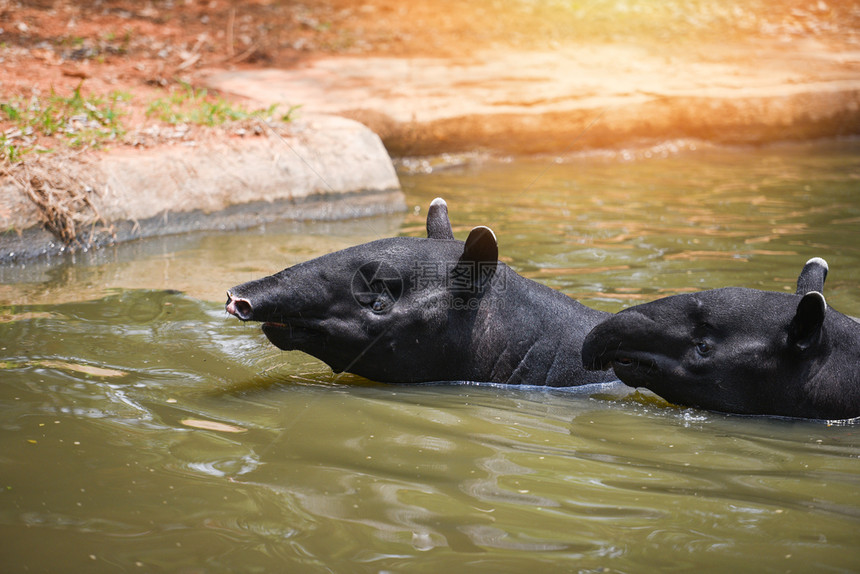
[317, 167]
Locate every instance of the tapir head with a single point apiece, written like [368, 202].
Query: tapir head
[383, 309]
[732, 350]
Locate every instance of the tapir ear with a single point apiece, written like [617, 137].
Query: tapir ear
[812, 276]
[438, 224]
[805, 327]
[478, 263]
[481, 246]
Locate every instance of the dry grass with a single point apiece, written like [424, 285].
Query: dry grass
[63, 197]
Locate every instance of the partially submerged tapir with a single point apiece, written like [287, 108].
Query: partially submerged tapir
[410, 309]
[739, 350]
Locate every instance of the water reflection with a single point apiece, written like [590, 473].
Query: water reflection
[142, 429]
[643, 228]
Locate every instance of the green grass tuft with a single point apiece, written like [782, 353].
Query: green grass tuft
[195, 106]
[92, 121]
[78, 119]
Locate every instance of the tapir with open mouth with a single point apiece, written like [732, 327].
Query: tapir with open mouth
[413, 309]
[739, 350]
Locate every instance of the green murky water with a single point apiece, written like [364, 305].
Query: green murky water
[142, 430]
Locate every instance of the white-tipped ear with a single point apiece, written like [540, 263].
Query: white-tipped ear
[812, 276]
[478, 263]
[438, 224]
[805, 327]
[818, 261]
[481, 246]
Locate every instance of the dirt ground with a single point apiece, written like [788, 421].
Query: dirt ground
[145, 49]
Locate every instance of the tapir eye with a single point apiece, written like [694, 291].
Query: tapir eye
[379, 305]
[703, 348]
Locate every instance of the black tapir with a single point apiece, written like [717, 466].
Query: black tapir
[410, 309]
[739, 350]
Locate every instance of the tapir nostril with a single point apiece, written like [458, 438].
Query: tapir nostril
[241, 308]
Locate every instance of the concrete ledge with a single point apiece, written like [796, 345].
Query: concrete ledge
[739, 120]
[321, 167]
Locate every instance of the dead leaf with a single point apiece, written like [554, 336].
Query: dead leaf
[211, 425]
[86, 369]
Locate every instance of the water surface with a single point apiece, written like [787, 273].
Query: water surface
[144, 430]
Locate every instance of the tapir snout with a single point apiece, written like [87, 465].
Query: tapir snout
[239, 307]
[608, 343]
[254, 301]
